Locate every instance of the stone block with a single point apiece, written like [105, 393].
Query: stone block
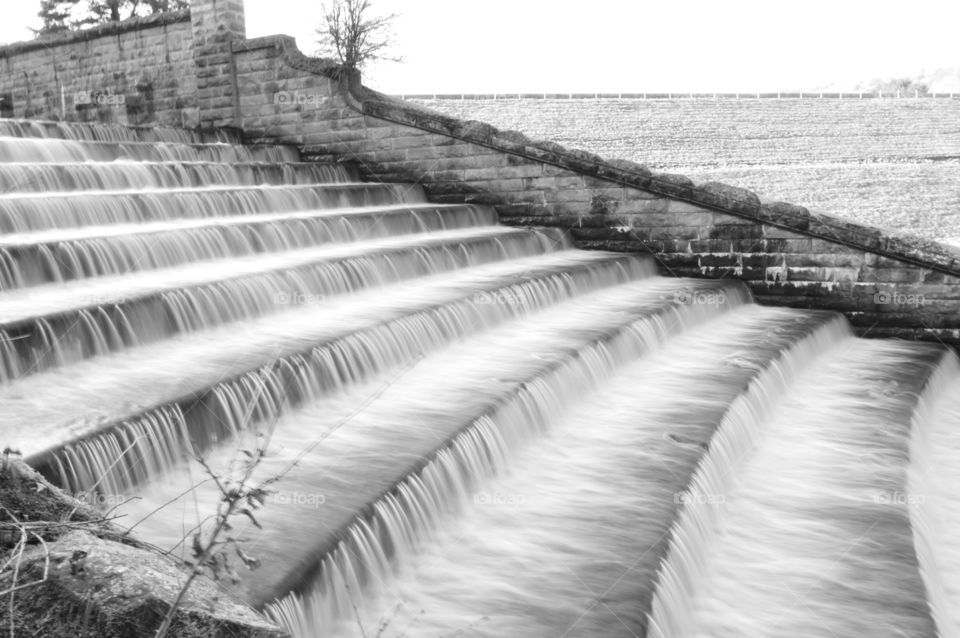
[775, 232]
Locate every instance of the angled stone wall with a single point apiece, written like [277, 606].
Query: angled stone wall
[886, 285]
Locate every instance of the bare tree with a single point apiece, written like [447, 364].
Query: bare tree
[352, 35]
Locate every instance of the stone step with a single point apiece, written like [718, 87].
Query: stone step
[814, 482]
[29, 177]
[75, 402]
[34, 149]
[424, 411]
[21, 213]
[31, 259]
[54, 325]
[387, 444]
[112, 132]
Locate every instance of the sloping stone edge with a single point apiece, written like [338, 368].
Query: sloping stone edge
[723, 198]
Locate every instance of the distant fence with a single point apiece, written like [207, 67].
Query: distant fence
[805, 95]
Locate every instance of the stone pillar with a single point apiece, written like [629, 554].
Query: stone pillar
[216, 25]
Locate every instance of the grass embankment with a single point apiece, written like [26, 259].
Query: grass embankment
[892, 163]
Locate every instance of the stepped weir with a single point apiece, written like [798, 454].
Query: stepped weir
[481, 430]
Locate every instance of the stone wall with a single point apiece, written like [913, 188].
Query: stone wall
[887, 285]
[139, 71]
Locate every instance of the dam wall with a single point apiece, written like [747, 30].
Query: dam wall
[197, 69]
[136, 72]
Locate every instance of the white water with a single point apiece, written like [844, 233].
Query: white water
[497, 435]
[356, 354]
[814, 507]
[567, 540]
[400, 418]
[933, 495]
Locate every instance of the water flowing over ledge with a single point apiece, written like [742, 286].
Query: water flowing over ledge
[482, 423]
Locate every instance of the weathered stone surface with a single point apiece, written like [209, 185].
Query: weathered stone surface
[91, 582]
[131, 56]
[103, 588]
[629, 167]
[217, 77]
[729, 198]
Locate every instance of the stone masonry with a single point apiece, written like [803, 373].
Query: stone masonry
[136, 72]
[886, 285]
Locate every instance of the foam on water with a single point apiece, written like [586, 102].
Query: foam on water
[26, 177]
[486, 432]
[566, 541]
[374, 343]
[416, 418]
[117, 313]
[933, 494]
[812, 506]
[20, 213]
[60, 151]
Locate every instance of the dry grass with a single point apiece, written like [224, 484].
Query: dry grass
[916, 198]
[869, 160]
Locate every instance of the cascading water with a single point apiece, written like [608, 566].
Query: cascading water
[481, 431]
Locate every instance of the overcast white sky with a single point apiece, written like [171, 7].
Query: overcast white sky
[611, 46]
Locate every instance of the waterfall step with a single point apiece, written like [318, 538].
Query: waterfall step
[931, 494]
[46, 302]
[662, 432]
[118, 387]
[433, 403]
[63, 254]
[62, 322]
[165, 293]
[26, 177]
[823, 450]
[40, 211]
[113, 132]
[34, 149]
